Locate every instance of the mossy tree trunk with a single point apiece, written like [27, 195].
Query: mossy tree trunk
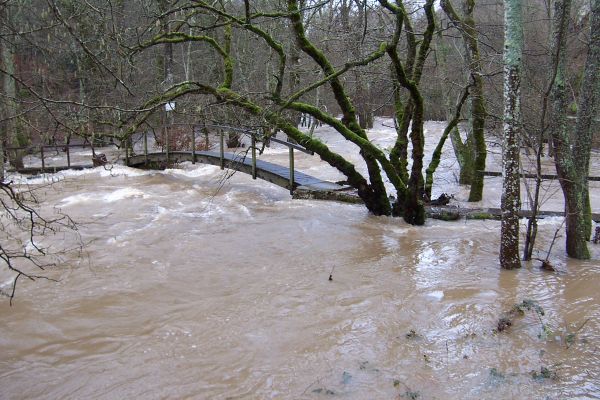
[2, 136]
[354, 31]
[572, 156]
[463, 150]
[472, 153]
[294, 73]
[587, 109]
[376, 196]
[12, 136]
[408, 76]
[403, 112]
[511, 185]
[437, 153]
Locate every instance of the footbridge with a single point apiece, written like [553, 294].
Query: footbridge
[283, 176]
[243, 160]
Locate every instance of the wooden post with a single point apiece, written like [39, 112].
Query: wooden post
[167, 143]
[253, 137]
[68, 156]
[222, 146]
[193, 145]
[145, 148]
[127, 152]
[42, 155]
[291, 170]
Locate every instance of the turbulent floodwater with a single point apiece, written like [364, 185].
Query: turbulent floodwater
[187, 288]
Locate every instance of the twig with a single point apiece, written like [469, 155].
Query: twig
[554, 240]
[577, 331]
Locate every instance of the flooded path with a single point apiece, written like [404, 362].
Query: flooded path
[186, 289]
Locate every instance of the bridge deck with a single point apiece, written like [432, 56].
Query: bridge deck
[274, 173]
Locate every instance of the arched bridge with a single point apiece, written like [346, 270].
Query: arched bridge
[286, 177]
[279, 175]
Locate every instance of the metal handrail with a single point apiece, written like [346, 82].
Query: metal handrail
[254, 136]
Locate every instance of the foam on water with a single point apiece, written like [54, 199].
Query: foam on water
[5, 282]
[205, 211]
[190, 170]
[121, 170]
[547, 221]
[117, 195]
[75, 199]
[114, 171]
[124, 193]
[436, 294]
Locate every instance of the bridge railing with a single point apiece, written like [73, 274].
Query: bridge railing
[254, 135]
[66, 148]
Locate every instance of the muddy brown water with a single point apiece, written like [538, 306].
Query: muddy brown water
[186, 289]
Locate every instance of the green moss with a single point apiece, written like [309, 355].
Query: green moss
[447, 216]
[483, 216]
[573, 107]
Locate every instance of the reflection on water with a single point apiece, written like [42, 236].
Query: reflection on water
[186, 291]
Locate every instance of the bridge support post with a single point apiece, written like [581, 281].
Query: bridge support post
[167, 144]
[145, 148]
[193, 145]
[127, 152]
[291, 170]
[253, 138]
[222, 148]
[42, 156]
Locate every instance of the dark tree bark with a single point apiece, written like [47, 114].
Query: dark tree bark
[473, 153]
[377, 198]
[572, 155]
[10, 126]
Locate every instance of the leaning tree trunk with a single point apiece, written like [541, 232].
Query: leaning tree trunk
[511, 193]
[375, 195]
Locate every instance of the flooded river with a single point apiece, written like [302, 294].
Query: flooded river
[190, 288]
